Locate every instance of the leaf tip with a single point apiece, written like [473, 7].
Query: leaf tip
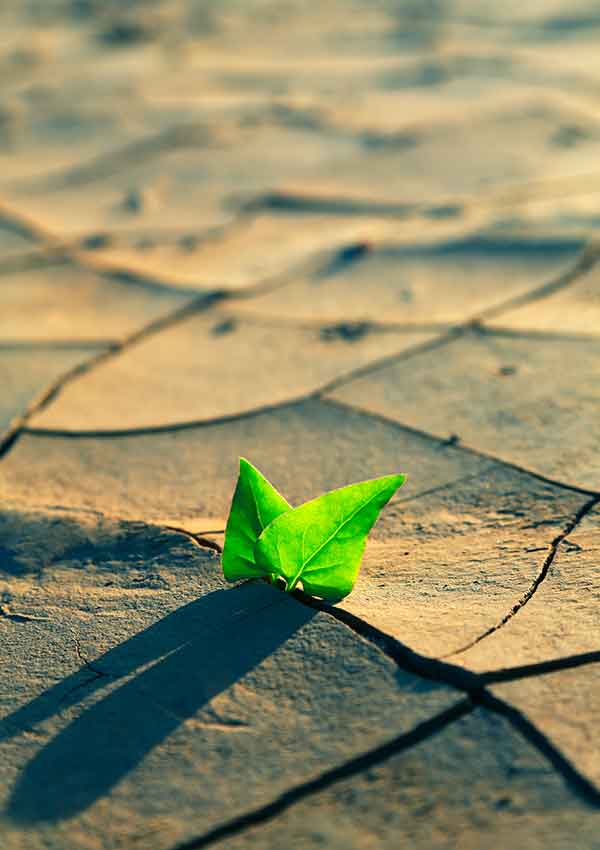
[246, 467]
[396, 480]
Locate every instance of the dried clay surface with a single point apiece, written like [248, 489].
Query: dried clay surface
[342, 240]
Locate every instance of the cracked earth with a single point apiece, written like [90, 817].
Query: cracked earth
[342, 240]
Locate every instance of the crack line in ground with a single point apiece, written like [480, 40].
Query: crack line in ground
[538, 580]
[129, 275]
[56, 344]
[281, 200]
[456, 443]
[322, 399]
[64, 248]
[167, 429]
[313, 262]
[66, 698]
[207, 299]
[540, 668]
[317, 394]
[454, 332]
[54, 249]
[373, 758]
[586, 261]
[18, 426]
[432, 669]
[61, 249]
[89, 665]
[473, 684]
[36, 258]
[353, 767]
[424, 667]
[204, 542]
[162, 234]
[295, 202]
[362, 325]
[535, 334]
[447, 485]
[107, 164]
[575, 780]
[20, 223]
[450, 334]
[429, 668]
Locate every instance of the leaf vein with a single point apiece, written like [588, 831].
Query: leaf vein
[339, 527]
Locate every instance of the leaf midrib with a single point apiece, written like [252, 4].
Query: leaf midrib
[338, 529]
[256, 508]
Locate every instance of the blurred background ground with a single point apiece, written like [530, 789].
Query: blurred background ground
[341, 239]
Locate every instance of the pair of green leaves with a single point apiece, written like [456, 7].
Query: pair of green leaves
[319, 544]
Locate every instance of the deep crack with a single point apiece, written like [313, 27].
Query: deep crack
[89, 664]
[328, 778]
[538, 580]
[18, 426]
[410, 429]
[540, 668]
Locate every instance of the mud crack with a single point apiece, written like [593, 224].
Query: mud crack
[538, 580]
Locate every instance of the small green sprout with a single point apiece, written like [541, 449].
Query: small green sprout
[320, 543]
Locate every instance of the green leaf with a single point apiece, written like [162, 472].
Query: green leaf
[321, 543]
[255, 504]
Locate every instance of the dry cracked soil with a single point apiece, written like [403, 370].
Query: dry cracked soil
[340, 239]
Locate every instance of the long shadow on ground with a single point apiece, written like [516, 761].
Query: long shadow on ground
[199, 651]
[170, 671]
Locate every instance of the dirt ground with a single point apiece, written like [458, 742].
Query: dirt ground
[341, 239]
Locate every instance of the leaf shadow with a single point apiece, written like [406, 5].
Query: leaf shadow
[198, 651]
